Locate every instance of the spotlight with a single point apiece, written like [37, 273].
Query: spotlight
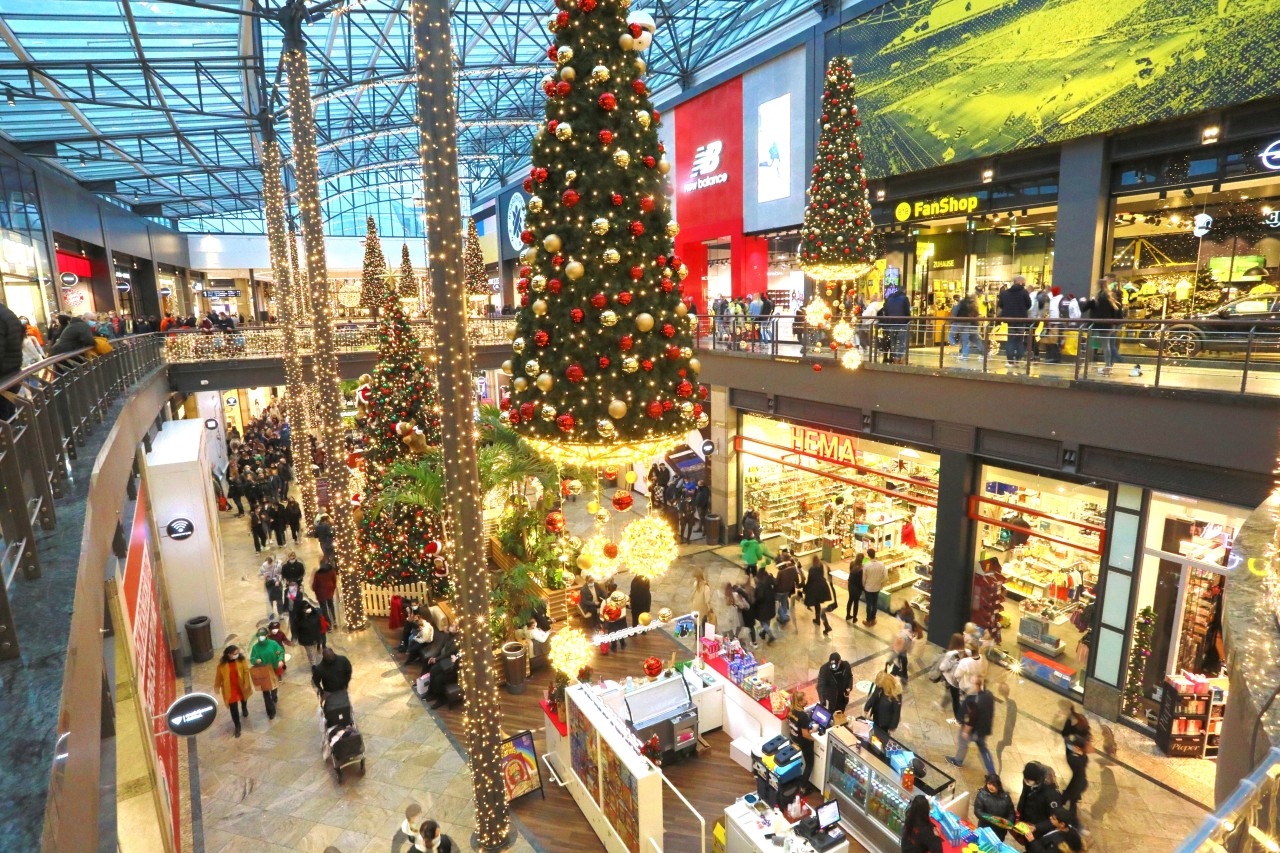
[879, 195]
[1209, 135]
[988, 175]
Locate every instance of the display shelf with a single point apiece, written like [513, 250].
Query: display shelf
[1189, 723]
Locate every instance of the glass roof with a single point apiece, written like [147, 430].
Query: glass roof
[153, 102]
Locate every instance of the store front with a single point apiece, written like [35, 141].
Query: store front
[831, 494]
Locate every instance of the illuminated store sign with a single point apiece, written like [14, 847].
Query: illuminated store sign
[828, 446]
[515, 222]
[945, 206]
[1270, 156]
[706, 160]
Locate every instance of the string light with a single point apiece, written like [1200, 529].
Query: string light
[571, 651]
[328, 395]
[648, 546]
[410, 79]
[482, 723]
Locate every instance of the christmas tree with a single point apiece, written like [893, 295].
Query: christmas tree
[473, 263]
[400, 544]
[603, 362]
[1139, 656]
[373, 284]
[408, 281]
[836, 241]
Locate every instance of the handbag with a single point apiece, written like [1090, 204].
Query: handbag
[263, 677]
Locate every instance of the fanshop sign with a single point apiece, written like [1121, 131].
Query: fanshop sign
[929, 208]
[706, 164]
[828, 446]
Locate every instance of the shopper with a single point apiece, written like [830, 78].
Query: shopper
[700, 599]
[322, 532]
[729, 616]
[947, 667]
[1039, 796]
[980, 712]
[919, 835]
[835, 683]
[641, 598]
[784, 585]
[408, 831]
[753, 554]
[874, 574]
[274, 585]
[764, 603]
[750, 524]
[894, 317]
[884, 702]
[269, 655]
[1054, 835]
[332, 674]
[1077, 724]
[293, 517]
[232, 681]
[969, 670]
[855, 588]
[817, 592]
[274, 632]
[1078, 761]
[292, 569]
[324, 583]
[431, 840]
[965, 326]
[1103, 306]
[442, 670]
[1014, 306]
[993, 801]
[307, 630]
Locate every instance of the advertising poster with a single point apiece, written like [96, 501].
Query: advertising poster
[583, 748]
[520, 774]
[773, 149]
[621, 799]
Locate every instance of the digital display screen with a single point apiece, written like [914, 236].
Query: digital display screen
[941, 81]
[773, 149]
[820, 716]
[828, 814]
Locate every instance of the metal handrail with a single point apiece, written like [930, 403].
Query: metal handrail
[1234, 826]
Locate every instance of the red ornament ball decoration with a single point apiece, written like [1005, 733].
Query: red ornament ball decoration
[610, 550]
[646, 365]
[528, 182]
[505, 404]
[526, 411]
[646, 203]
[599, 300]
[604, 362]
[574, 373]
[562, 19]
[650, 161]
[586, 5]
[667, 285]
[555, 521]
[566, 423]
[652, 667]
[526, 237]
[605, 137]
[608, 101]
[622, 500]
[576, 315]
[673, 352]
[636, 228]
[524, 301]
[635, 30]
[639, 86]
[540, 174]
[549, 88]
[668, 330]
[541, 338]
[514, 417]
[551, 52]
[553, 124]
[817, 368]
[684, 389]
[654, 410]
[522, 286]
[555, 284]
[702, 391]
[637, 272]
[667, 405]
[626, 342]
[563, 88]
[624, 298]
[570, 198]
[616, 199]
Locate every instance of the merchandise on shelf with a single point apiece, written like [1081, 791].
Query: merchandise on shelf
[1192, 710]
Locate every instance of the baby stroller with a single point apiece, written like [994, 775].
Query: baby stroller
[343, 744]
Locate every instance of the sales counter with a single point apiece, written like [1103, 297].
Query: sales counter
[751, 828]
[744, 716]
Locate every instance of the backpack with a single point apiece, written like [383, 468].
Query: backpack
[740, 598]
[1064, 309]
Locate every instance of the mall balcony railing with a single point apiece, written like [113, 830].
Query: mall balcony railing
[1224, 356]
[46, 410]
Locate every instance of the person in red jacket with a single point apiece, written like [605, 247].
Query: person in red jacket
[324, 583]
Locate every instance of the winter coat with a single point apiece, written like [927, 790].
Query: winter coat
[884, 711]
[835, 682]
[76, 336]
[641, 597]
[292, 570]
[896, 305]
[1014, 303]
[307, 625]
[750, 524]
[993, 805]
[266, 653]
[701, 598]
[332, 675]
[1036, 803]
[753, 553]
[765, 606]
[816, 588]
[788, 577]
[237, 670]
[324, 583]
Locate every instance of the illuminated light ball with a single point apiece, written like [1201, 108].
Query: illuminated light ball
[605, 429]
[630, 364]
[539, 307]
[551, 243]
[610, 548]
[626, 42]
[520, 384]
[545, 382]
[622, 158]
[652, 666]
[631, 477]
[654, 410]
[506, 367]
[541, 337]
[695, 365]
[574, 373]
[608, 101]
[616, 199]
[534, 204]
[608, 318]
[645, 619]
[569, 198]
[600, 73]
[548, 413]
[642, 116]
[684, 389]
[668, 330]
[673, 228]
[664, 166]
[618, 409]
[681, 309]
[576, 315]
[644, 321]
[571, 651]
[566, 423]
[665, 614]
[625, 343]
[605, 137]
[612, 256]
[564, 132]
[574, 270]
[851, 360]
[564, 54]
[575, 487]
[622, 500]
[599, 300]
[532, 368]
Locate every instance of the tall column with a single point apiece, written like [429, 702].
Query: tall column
[953, 547]
[324, 356]
[1083, 200]
[438, 151]
[296, 391]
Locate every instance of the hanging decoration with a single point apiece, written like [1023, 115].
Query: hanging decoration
[571, 651]
[648, 546]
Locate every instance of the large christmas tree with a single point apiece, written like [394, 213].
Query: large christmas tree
[373, 284]
[401, 543]
[473, 263]
[836, 241]
[408, 281]
[603, 362]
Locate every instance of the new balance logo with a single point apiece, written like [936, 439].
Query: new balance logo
[706, 160]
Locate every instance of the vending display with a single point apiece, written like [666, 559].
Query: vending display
[887, 805]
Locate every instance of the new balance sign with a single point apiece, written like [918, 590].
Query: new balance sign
[706, 160]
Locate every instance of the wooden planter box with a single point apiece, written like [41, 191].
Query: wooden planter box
[557, 604]
[500, 558]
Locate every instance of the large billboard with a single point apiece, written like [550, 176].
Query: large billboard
[949, 80]
[774, 145]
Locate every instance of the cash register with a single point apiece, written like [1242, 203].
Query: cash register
[822, 830]
[821, 718]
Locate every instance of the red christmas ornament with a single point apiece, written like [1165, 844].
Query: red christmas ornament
[682, 373]
[524, 300]
[624, 298]
[667, 405]
[657, 118]
[599, 300]
[635, 30]
[697, 409]
[646, 365]
[540, 175]
[515, 417]
[526, 271]
[526, 411]
[551, 52]
[549, 88]
[684, 389]
[668, 330]
[605, 137]
[586, 5]
[574, 373]
[565, 423]
[604, 362]
[702, 391]
[616, 199]
[553, 124]
[505, 405]
[573, 596]
[541, 338]
[667, 285]
[522, 286]
[639, 86]
[652, 667]
[622, 501]
[608, 101]
[654, 410]
[528, 185]
[646, 203]
[562, 18]
[570, 198]
[817, 368]
[555, 521]
[637, 272]
[650, 161]
[526, 237]
[557, 261]
[563, 88]
[611, 551]
[612, 613]
[625, 343]
[636, 228]
[673, 352]
[676, 260]
[576, 315]
[554, 285]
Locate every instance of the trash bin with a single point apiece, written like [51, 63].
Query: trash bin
[200, 636]
[711, 528]
[513, 659]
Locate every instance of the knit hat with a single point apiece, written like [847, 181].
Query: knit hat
[1057, 291]
[1033, 772]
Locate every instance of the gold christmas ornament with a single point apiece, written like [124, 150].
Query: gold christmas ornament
[518, 345]
[575, 487]
[564, 54]
[608, 318]
[511, 332]
[641, 67]
[686, 352]
[539, 283]
[626, 42]
[664, 166]
[570, 176]
[643, 118]
[532, 368]
[520, 383]
[703, 420]
[600, 226]
[574, 269]
[683, 272]
[630, 364]
[681, 309]
[506, 367]
[539, 307]
[695, 365]
[564, 131]
[529, 256]
[551, 243]
[567, 74]
[611, 256]
[644, 322]
[617, 409]
[622, 158]
[600, 73]
[606, 429]
[673, 228]
[534, 204]
[686, 410]
[545, 382]
[602, 516]
[592, 506]
[665, 615]
[548, 413]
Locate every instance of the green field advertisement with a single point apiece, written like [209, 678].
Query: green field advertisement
[947, 80]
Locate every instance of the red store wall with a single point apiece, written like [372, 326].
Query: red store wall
[709, 193]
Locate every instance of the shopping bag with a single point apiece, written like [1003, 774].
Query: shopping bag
[1070, 344]
[101, 346]
[263, 676]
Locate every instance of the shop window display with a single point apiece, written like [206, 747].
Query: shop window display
[1039, 541]
[834, 495]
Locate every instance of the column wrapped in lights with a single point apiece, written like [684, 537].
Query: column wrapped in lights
[324, 357]
[438, 152]
[296, 391]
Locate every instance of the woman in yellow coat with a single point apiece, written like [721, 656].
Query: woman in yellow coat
[233, 682]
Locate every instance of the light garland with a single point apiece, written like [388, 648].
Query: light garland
[594, 561]
[328, 396]
[842, 333]
[463, 507]
[571, 651]
[573, 455]
[648, 546]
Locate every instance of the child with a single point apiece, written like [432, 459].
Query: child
[274, 633]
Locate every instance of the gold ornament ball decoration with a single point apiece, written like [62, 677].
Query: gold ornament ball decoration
[612, 256]
[695, 365]
[539, 307]
[626, 42]
[683, 272]
[575, 487]
[538, 283]
[643, 118]
[567, 74]
[548, 413]
[673, 228]
[511, 332]
[644, 618]
[608, 318]
[600, 73]
[605, 429]
[641, 67]
[631, 477]
[574, 269]
[681, 309]
[506, 367]
[545, 381]
[592, 506]
[630, 364]
[622, 158]
[644, 321]
[703, 420]
[551, 243]
[600, 226]
[518, 345]
[529, 256]
[564, 54]
[686, 352]
[534, 204]
[664, 615]
[564, 131]
[532, 368]
[520, 383]
[664, 166]
[602, 516]
[617, 409]
[570, 176]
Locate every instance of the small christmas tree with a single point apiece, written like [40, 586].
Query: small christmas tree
[373, 283]
[836, 241]
[408, 281]
[473, 263]
[603, 362]
[1139, 656]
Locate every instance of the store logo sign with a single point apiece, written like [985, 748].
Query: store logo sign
[929, 208]
[1270, 156]
[1272, 219]
[706, 160]
[515, 221]
[828, 446]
